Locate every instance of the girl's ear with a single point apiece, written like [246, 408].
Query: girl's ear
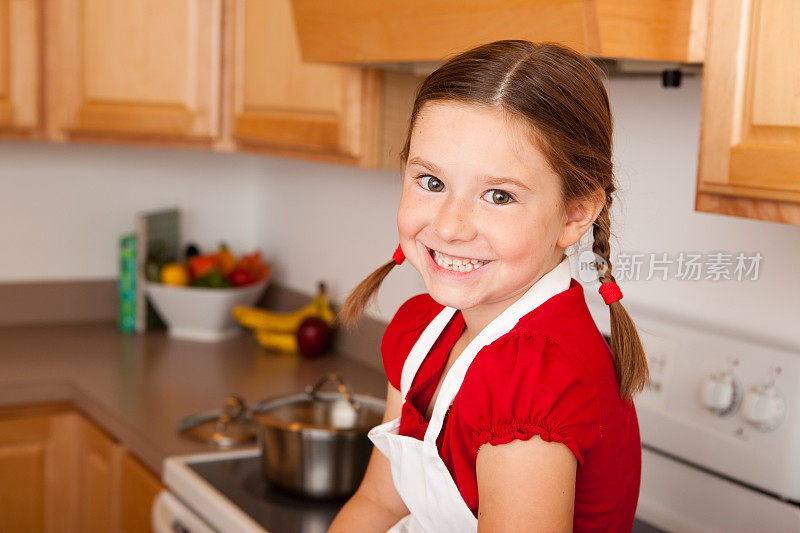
[579, 216]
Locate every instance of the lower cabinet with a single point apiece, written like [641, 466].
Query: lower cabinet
[139, 488]
[100, 458]
[60, 473]
[37, 465]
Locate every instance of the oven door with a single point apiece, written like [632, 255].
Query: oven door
[169, 515]
[676, 496]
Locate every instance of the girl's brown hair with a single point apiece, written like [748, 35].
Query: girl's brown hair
[560, 94]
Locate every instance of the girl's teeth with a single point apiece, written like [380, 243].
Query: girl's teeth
[459, 265]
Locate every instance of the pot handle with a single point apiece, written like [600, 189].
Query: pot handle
[234, 410]
[344, 390]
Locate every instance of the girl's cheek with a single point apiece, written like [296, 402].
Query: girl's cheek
[514, 241]
[407, 230]
[406, 220]
[412, 210]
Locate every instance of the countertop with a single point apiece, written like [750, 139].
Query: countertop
[137, 387]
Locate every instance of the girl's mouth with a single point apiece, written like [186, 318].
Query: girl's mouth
[454, 266]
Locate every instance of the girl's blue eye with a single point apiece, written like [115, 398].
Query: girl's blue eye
[495, 196]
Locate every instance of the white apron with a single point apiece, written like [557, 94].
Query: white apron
[419, 474]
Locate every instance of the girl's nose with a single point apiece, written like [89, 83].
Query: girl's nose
[453, 221]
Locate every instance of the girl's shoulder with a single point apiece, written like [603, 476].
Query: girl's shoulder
[527, 384]
[403, 331]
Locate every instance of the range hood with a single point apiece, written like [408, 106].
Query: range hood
[422, 33]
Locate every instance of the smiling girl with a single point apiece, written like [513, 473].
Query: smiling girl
[506, 410]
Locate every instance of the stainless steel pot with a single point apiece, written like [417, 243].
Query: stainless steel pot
[315, 444]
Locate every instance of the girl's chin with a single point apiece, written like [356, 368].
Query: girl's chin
[451, 298]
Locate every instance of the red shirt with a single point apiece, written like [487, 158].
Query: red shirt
[552, 375]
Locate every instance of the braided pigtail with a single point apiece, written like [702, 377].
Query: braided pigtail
[359, 299]
[630, 362]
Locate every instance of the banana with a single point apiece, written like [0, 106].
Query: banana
[286, 322]
[257, 318]
[278, 342]
[324, 310]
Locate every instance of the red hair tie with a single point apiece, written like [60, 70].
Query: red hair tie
[610, 292]
[398, 256]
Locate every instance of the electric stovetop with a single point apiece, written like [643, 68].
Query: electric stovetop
[240, 480]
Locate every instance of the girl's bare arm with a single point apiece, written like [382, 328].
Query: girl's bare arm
[526, 486]
[375, 506]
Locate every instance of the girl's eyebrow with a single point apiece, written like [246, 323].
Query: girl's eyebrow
[416, 160]
[503, 181]
[490, 180]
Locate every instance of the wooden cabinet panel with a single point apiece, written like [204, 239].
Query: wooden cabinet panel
[37, 459]
[749, 161]
[139, 489]
[20, 64]
[366, 31]
[146, 68]
[22, 473]
[59, 473]
[99, 480]
[281, 103]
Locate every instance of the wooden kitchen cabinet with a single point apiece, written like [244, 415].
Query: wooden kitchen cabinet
[60, 473]
[99, 481]
[37, 463]
[281, 105]
[749, 162]
[139, 489]
[147, 69]
[20, 66]
[222, 74]
[116, 491]
[366, 31]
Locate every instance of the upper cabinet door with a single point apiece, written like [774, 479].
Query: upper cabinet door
[285, 106]
[144, 68]
[20, 64]
[749, 161]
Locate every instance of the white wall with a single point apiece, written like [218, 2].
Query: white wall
[63, 207]
[335, 223]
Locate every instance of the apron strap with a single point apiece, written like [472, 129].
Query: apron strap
[422, 347]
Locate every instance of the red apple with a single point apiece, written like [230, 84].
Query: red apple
[313, 337]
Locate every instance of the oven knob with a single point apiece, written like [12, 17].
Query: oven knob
[764, 407]
[721, 393]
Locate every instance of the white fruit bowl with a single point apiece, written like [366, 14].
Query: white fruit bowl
[200, 313]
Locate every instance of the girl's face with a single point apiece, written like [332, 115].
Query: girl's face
[477, 190]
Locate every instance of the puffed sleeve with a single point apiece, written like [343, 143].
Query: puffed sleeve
[403, 331]
[528, 385]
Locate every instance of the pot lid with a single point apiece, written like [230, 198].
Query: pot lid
[339, 411]
[227, 427]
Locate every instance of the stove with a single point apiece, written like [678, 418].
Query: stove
[720, 427]
[228, 493]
